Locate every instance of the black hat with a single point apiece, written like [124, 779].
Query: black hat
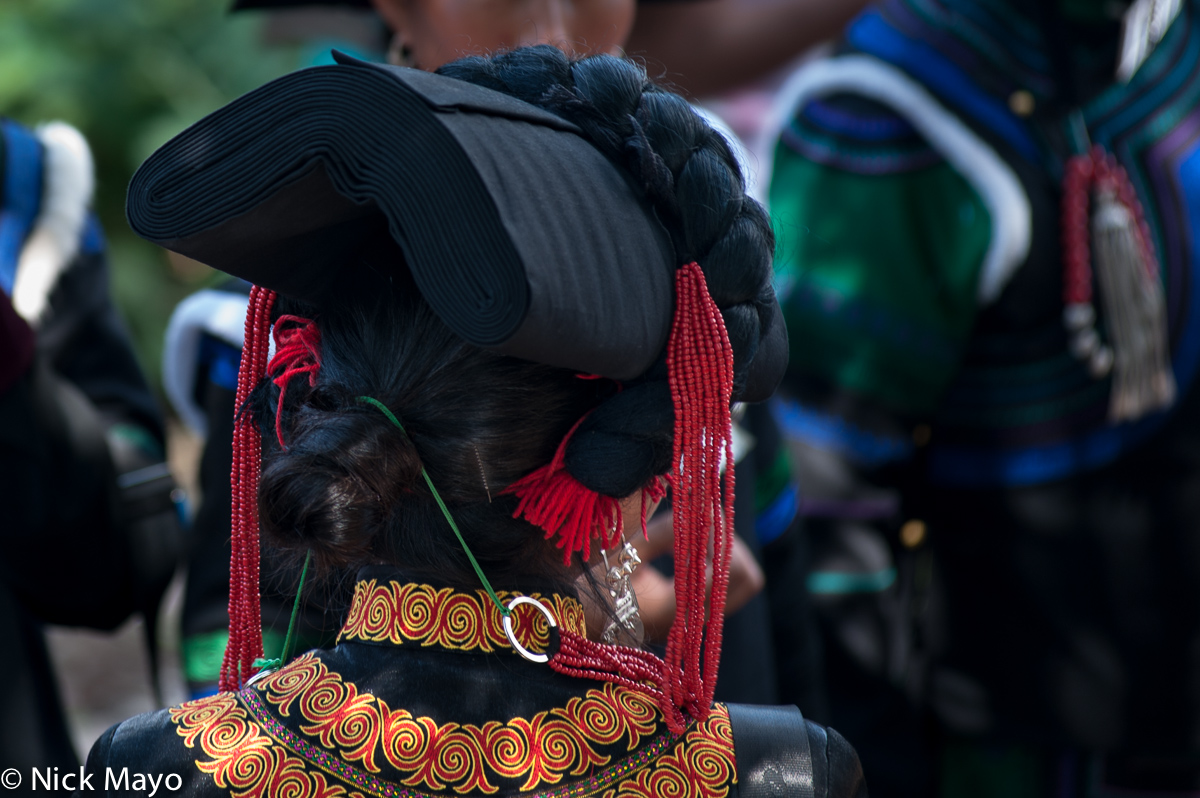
[518, 232]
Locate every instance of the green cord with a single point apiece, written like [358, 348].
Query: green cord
[370, 400]
[290, 640]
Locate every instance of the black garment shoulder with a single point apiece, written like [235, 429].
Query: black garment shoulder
[780, 753]
[135, 755]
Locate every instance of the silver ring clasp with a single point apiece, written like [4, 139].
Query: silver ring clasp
[512, 637]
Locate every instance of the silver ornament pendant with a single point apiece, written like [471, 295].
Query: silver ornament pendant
[626, 628]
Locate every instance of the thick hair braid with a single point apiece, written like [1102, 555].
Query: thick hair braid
[690, 176]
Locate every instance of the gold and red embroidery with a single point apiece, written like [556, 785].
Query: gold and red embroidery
[244, 760]
[541, 750]
[701, 766]
[411, 613]
[341, 742]
[346, 734]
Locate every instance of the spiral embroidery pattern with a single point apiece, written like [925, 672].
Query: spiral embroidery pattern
[702, 766]
[242, 758]
[346, 737]
[428, 616]
[540, 750]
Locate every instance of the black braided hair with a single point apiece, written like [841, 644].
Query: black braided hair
[692, 179]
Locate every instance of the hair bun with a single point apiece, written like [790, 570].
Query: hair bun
[625, 440]
[333, 487]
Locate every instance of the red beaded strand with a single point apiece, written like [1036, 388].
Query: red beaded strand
[700, 362]
[245, 613]
[632, 668]
[700, 367]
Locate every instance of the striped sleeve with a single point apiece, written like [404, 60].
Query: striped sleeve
[881, 244]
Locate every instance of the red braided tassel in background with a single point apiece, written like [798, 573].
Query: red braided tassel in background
[1106, 239]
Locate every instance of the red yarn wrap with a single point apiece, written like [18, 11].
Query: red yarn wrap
[700, 372]
[297, 351]
[554, 500]
[245, 613]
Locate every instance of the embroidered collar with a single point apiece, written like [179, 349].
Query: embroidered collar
[391, 611]
[308, 729]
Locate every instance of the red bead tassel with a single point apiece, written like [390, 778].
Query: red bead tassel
[245, 612]
[700, 369]
[700, 372]
[554, 500]
[1097, 170]
[629, 667]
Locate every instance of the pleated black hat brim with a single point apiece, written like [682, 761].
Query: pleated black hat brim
[520, 235]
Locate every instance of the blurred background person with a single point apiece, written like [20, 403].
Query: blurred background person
[986, 214]
[128, 74]
[90, 531]
[704, 47]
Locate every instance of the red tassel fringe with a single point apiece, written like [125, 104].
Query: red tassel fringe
[554, 500]
[245, 612]
[700, 368]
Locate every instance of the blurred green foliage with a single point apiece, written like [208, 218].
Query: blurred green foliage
[130, 74]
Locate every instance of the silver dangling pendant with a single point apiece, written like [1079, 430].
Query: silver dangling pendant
[1135, 310]
[625, 629]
